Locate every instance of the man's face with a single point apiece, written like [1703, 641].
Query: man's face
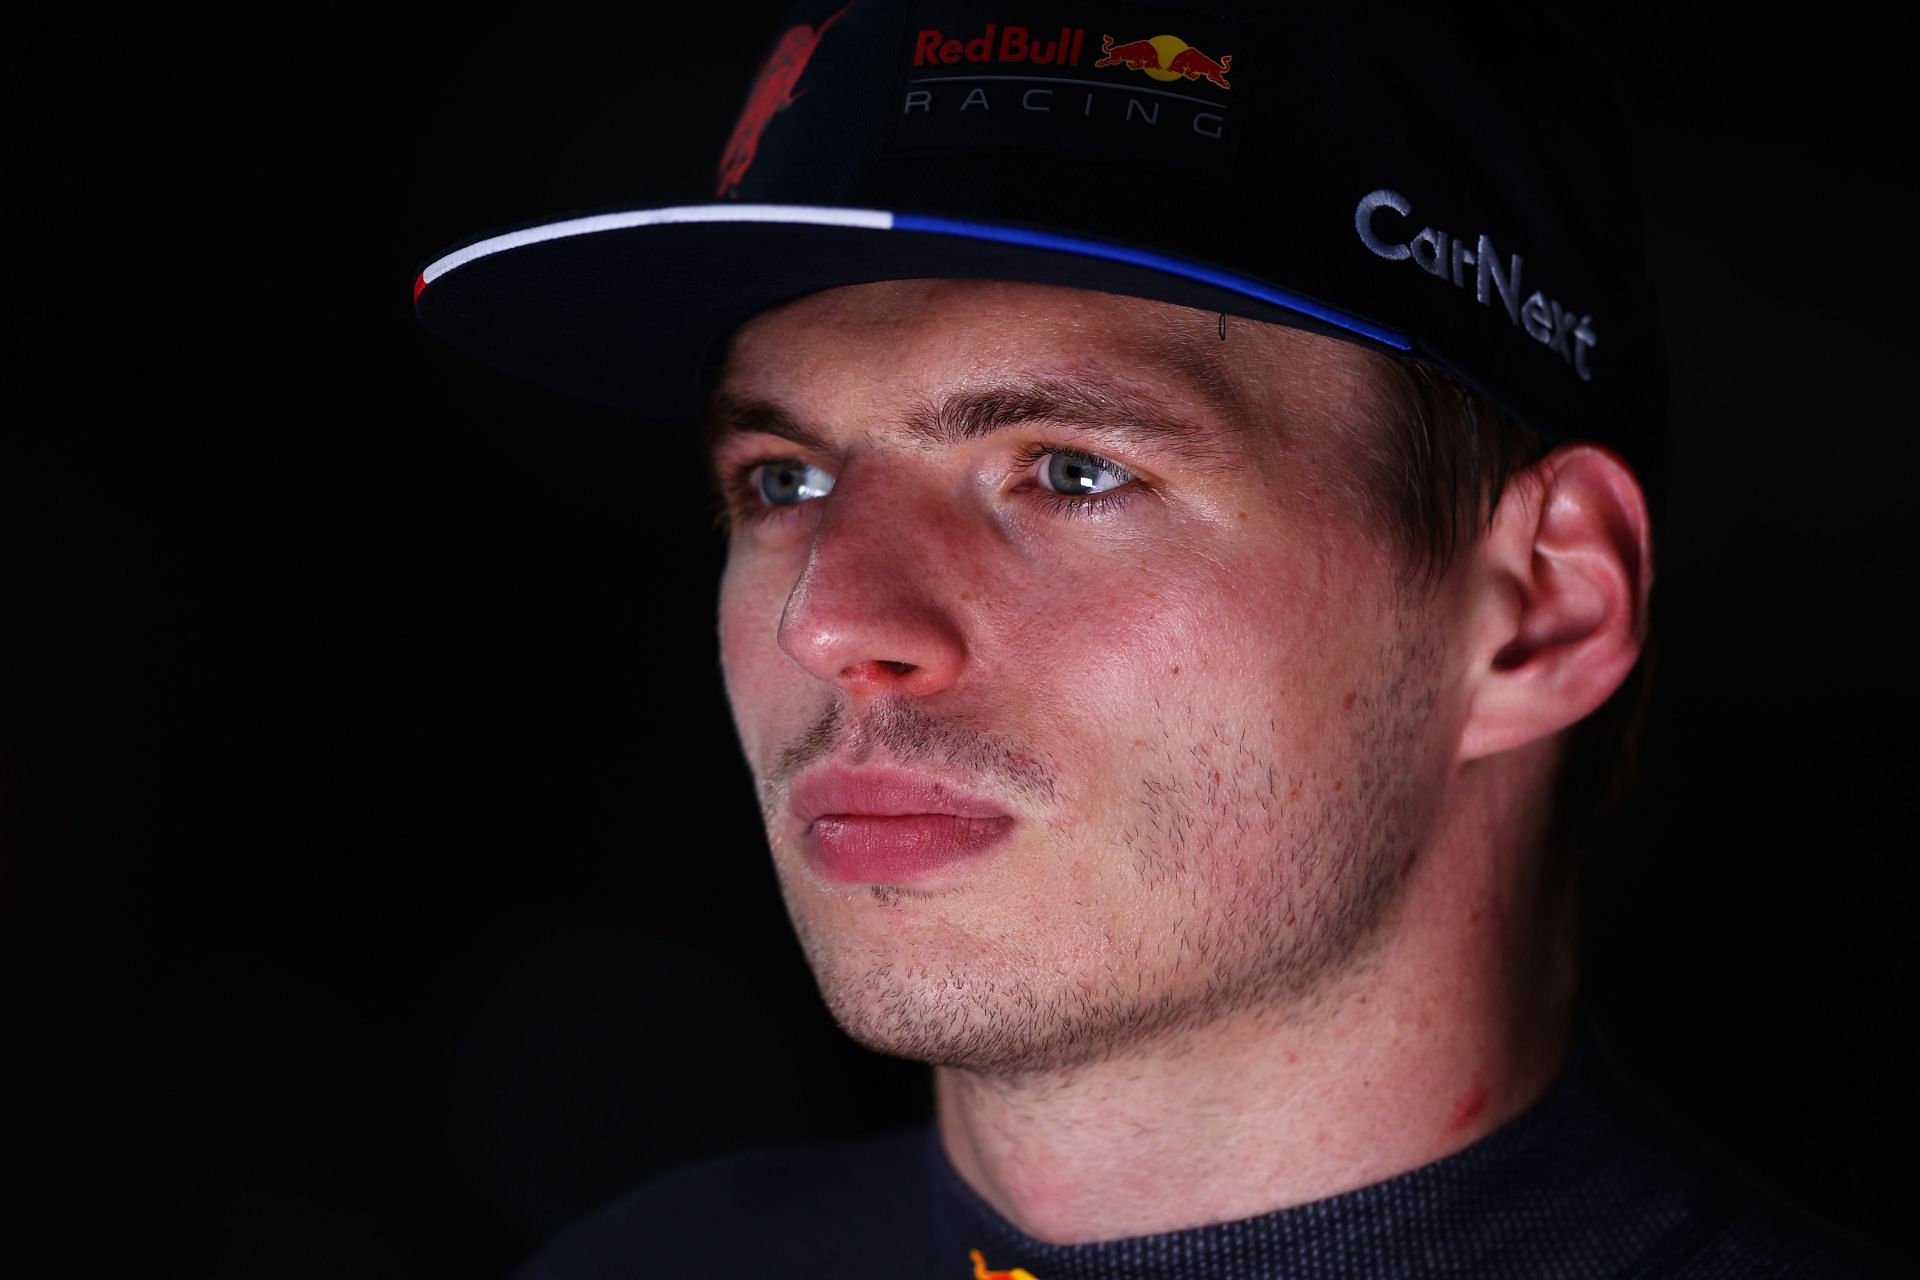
[1079, 582]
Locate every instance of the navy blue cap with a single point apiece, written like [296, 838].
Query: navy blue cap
[1447, 183]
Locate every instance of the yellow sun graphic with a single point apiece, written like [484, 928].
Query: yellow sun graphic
[1169, 48]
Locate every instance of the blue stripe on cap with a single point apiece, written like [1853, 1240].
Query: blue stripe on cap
[1153, 261]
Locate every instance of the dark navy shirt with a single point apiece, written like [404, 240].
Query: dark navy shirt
[1588, 1182]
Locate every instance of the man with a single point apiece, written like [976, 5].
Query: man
[1164, 680]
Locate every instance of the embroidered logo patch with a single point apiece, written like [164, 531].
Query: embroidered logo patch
[1045, 78]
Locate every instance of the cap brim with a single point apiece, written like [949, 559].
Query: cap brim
[628, 309]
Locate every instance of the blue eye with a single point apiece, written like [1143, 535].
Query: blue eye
[1073, 472]
[787, 482]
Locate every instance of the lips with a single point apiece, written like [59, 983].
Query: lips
[884, 793]
[889, 826]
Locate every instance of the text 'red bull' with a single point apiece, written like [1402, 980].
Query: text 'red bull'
[1015, 44]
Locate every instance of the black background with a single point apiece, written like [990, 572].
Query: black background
[381, 880]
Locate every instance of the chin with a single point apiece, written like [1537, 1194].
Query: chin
[987, 1011]
[946, 997]
[939, 1020]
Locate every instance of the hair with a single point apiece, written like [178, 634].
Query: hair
[1435, 477]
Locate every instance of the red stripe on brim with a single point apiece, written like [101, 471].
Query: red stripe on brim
[419, 284]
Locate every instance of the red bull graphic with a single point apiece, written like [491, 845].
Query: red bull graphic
[1165, 58]
[773, 91]
[980, 1271]
[1138, 56]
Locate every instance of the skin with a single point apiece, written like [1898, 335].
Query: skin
[1269, 925]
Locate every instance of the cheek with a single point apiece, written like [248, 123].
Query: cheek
[1183, 647]
[738, 619]
[1111, 659]
[756, 673]
[1141, 624]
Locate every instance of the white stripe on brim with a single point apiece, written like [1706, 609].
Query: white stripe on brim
[880, 220]
[871, 219]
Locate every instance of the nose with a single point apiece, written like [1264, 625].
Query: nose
[871, 610]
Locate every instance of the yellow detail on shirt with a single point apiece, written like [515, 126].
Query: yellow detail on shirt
[980, 1271]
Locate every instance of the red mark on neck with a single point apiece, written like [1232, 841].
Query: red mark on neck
[1467, 1106]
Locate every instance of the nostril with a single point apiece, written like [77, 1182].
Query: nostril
[878, 669]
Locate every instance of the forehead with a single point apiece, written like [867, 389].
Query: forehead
[901, 342]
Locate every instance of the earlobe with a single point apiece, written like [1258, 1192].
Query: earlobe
[1559, 607]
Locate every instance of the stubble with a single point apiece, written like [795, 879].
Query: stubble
[1252, 886]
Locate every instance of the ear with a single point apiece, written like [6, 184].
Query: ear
[1558, 599]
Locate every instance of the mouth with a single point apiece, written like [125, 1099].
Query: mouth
[889, 826]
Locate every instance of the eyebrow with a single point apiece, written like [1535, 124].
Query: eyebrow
[1101, 408]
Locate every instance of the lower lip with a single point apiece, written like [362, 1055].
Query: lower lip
[855, 849]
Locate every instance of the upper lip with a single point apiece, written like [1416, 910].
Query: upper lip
[884, 793]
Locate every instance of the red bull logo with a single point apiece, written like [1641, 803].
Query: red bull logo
[980, 1271]
[981, 86]
[1165, 58]
[772, 91]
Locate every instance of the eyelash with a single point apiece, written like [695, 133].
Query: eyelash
[747, 506]
[1088, 504]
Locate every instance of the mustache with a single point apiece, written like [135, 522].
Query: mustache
[905, 734]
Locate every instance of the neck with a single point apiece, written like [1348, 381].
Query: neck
[1456, 1022]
